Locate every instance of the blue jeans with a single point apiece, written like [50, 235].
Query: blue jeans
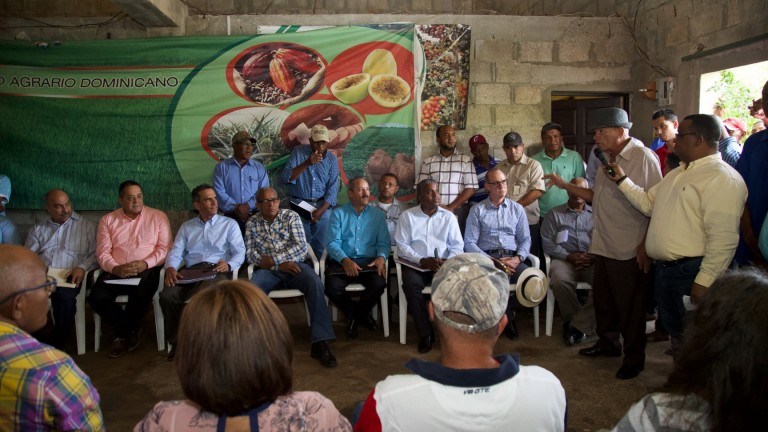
[317, 233]
[673, 280]
[309, 283]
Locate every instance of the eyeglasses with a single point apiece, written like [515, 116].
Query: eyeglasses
[268, 200]
[499, 183]
[49, 286]
[680, 135]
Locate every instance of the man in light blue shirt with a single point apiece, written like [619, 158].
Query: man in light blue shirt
[426, 235]
[358, 247]
[312, 175]
[237, 179]
[498, 227]
[208, 243]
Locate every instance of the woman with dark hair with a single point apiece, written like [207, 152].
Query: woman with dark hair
[234, 364]
[720, 380]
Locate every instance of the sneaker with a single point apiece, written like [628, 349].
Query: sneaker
[134, 340]
[119, 347]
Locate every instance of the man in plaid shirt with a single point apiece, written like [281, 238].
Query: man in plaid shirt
[454, 172]
[41, 388]
[276, 244]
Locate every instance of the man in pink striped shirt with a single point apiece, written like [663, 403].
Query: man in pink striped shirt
[131, 242]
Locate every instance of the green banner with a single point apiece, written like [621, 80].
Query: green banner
[87, 115]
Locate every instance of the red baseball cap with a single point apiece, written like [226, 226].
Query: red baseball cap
[475, 141]
[734, 123]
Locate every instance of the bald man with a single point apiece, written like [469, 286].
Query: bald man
[41, 388]
[64, 241]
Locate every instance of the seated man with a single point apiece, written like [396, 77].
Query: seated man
[387, 203]
[498, 227]
[210, 243]
[427, 235]
[65, 241]
[41, 387]
[566, 235]
[470, 389]
[358, 248]
[131, 242]
[278, 248]
[8, 233]
[237, 179]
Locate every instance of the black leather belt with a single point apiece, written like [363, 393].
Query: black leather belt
[311, 201]
[677, 261]
[501, 252]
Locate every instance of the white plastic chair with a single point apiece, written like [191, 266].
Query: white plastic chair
[287, 293]
[356, 287]
[551, 297]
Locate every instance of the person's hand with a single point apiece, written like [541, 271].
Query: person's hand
[129, 269]
[222, 267]
[643, 262]
[573, 259]
[584, 261]
[555, 180]
[511, 262]
[617, 171]
[289, 267]
[315, 158]
[381, 266]
[351, 268]
[172, 276]
[75, 275]
[242, 211]
[432, 264]
[317, 214]
[266, 262]
[697, 292]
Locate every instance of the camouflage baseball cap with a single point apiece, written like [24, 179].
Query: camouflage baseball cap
[471, 285]
[242, 136]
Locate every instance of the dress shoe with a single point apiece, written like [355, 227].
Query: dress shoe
[626, 372]
[596, 351]
[510, 330]
[575, 337]
[352, 328]
[321, 352]
[425, 343]
[171, 353]
[119, 347]
[134, 340]
[369, 323]
[657, 336]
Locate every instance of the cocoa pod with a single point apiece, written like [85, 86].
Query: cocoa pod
[281, 76]
[296, 59]
[257, 66]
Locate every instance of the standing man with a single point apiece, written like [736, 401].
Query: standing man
[277, 246]
[695, 213]
[526, 185]
[482, 161]
[387, 203]
[65, 241]
[498, 227]
[753, 167]
[468, 388]
[42, 388]
[131, 242]
[208, 243]
[312, 175]
[453, 172]
[665, 125]
[358, 248]
[237, 179]
[555, 158]
[566, 235]
[428, 235]
[621, 281]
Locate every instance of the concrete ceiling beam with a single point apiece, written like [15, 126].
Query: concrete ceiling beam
[155, 13]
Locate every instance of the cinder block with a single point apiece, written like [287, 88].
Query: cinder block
[556, 75]
[479, 115]
[529, 95]
[706, 20]
[538, 52]
[677, 34]
[622, 50]
[523, 119]
[420, 6]
[492, 94]
[493, 50]
[481, 71]
[442, 6]
[570, 52]
[513, 72]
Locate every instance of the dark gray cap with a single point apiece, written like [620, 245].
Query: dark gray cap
[512, 139]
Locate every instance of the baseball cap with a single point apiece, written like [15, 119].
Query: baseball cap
[242, 136]
[319, 133]
[475, 141]
[550, 126]
[512, 139]
[734, 123]
[470, 284]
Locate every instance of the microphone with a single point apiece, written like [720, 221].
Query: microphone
[604, 160]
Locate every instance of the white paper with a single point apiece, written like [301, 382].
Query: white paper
[61, 277]
[128, 281]
[307, 206]
[562, 237]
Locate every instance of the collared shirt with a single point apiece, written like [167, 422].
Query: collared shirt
[618, 226]
[577, 225]
[67, 245]
[120, 239]
[316, 181]
[481, 171]
[392, 213]
[419, 235]
[662, 153]
[357, 236]
[283, 240]
[216, 239]
[730, 150]
[8, 233]
[592, 166]
[568, 166]
[453, 174]
[41, 388]
[524, 176]
[753, 167]
[695, 211]
[504, 227]
[235, 184]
